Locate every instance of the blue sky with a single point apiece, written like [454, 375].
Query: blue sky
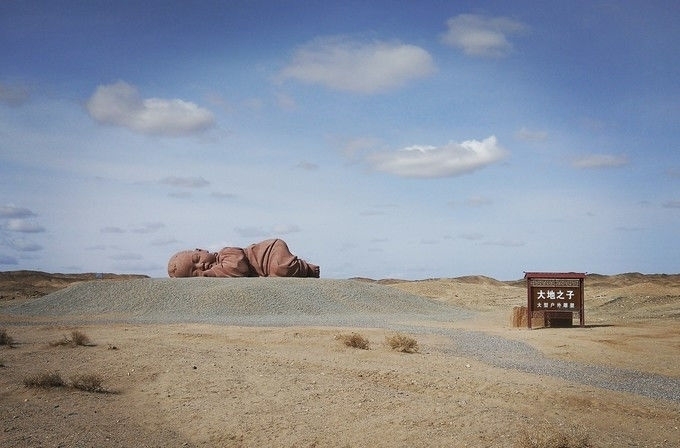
[379, 139]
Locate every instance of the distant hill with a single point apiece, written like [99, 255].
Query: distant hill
[19, 285]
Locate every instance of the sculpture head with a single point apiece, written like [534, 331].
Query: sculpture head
[191, 263]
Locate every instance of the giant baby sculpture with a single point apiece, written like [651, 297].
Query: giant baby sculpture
[270, 258]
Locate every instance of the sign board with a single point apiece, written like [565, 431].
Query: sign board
[555, 293]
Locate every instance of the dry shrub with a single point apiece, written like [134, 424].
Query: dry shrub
[45, 380]
[402, 343]
[80, 338]
[61, 342]
[88, 383]
[49, 380]
[75, 339]
[6, 339]
[354, 340]
[575, 437]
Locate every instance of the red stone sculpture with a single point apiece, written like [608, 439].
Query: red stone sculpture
[270, 258]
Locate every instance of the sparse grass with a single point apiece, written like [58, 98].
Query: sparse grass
[402, 343]
[63, 342]
[6, 339]
[50, 380]
[88, 383]
[354, 340]
[574, 437]
[80, 338]
[45, 380]
[75, 339]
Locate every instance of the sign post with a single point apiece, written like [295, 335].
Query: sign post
[555, 293]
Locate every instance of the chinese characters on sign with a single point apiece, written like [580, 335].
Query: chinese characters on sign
[555, 299]
[555, 294]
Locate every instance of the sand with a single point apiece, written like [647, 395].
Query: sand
[292, 382]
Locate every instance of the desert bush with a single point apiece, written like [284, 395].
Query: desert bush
[49, 380]
[61, 342]
[354, 340]
[88, 383]
[80, 338]
[6, 339]
[76, 338]
[575, 437]
[402, 343]
[45, 380]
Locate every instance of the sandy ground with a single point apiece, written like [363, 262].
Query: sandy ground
[212, 385]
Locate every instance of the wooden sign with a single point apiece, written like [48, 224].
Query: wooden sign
[555, 292]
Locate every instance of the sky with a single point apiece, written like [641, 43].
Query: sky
[382, 139]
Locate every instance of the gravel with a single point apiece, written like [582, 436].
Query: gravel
[322, 302]
[238, 301]
[516, 355]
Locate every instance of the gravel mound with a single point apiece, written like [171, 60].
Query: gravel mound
[237, 301]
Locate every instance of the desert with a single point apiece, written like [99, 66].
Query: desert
[266, 362]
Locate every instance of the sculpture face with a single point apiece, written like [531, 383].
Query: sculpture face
[191, 263]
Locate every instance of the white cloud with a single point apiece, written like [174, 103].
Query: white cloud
[372, 212]
[23, 245]
[285, 102]
[253, 104]
[671, 204]
[359, 145]
[251, 232]
[344, 64]
[10, 211]
[529, 135]
[481, 36]
[261, 232]
[478, 201]
[307, 166]
[475, 236]
[449, 160]
[163, 241]
[120, 104]
[23, 226]
[600, 161]
[222, 195]
[505, 243]
[286, 229]
[149, 227]
[185, 182]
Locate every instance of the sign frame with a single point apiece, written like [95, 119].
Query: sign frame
[559, 292]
